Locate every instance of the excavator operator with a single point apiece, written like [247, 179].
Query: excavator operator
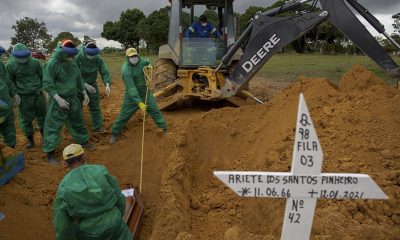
[202, 29]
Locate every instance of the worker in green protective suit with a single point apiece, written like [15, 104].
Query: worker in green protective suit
[135, 95]
[62, 80]
[89, 203]
[90, 63]
[8, 98]
[27, 75]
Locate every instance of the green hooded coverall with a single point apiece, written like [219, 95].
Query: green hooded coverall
[89, 205]
[89, 69]
[7, 90]
[27, 78]
[62, 76]
[135, 92]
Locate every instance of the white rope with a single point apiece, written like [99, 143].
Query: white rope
[148, 77]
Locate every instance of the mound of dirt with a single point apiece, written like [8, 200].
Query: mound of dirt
[358, 130]
[358, 78]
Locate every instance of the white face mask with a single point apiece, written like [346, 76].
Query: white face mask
[204, 24]
[90, 57]
[134, 60]
[22, 60]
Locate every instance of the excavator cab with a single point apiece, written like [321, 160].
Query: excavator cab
[185, 64]
[192, 52]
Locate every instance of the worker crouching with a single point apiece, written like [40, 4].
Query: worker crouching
[89, 203]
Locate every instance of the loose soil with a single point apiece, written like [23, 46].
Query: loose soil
[358, 126]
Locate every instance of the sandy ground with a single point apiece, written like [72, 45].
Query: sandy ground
[358, 126]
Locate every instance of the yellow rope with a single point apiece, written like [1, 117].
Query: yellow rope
[148, 72]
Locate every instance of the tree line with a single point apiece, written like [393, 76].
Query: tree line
[34, 35]
[133, 26]
[325, 38]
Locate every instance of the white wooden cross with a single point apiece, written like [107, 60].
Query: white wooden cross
[304, 184]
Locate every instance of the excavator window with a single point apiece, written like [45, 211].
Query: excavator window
[202, 51]
[205, 51]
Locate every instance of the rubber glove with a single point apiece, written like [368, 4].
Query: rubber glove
[17, 100]
[108, 89]
[142, 106]
[61, 102]
[86, 99]
[90, 88]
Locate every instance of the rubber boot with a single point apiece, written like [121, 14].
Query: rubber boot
[88, 146]
[51, 156]
[114, 138]
[31, 143]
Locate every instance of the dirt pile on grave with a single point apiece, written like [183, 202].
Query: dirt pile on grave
[358, 127]
[357, 78]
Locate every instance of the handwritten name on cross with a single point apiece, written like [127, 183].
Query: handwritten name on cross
[304, 184]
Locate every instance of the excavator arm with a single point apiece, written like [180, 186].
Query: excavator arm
[267, 34]
[344, 20]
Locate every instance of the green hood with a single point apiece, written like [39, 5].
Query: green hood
[88, 191]
[82, 54]
[58, 54]
[18, 47]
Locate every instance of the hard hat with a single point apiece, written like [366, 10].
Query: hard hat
[130, 52]
[73, 150]
[91, 49]
[69, 47]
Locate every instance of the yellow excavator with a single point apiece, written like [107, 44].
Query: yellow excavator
[220, 68]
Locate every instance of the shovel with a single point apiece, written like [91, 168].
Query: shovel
[9, 166]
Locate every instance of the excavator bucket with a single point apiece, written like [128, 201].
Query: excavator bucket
[168, 102]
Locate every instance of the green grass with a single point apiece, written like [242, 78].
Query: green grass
[115, 61]
[289, 66]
